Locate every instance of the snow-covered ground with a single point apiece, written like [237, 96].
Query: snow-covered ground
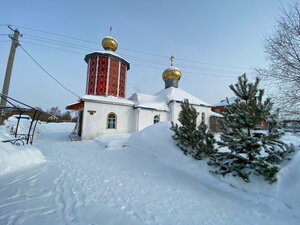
[137, 179]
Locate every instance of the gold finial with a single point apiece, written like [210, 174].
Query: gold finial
[171, 58]
[109, 43]
[171, 72]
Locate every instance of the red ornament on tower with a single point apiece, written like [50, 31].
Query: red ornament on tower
[106, 73]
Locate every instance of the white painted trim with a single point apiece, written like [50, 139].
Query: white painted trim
[107, 78]
[87, 77]
[96, 76]
[125, 81]
[119, 78]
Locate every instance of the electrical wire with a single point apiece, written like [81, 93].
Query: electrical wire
[48, 72]
[56, 43]
[132, 50]
[64, 50]
[134, 59]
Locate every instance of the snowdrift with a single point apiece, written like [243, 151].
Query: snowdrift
[156, 141]
[10, 126]
[16, 157]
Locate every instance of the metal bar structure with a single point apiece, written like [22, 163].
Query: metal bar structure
[36, 121]
[28, 138]
[16, 133]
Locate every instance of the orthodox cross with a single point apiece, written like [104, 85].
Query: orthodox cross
[171, 58]
[110, 30]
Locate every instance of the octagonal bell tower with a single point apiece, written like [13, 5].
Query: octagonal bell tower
[106, 72]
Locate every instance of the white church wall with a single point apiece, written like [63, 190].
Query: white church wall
[175, 109]
[95, 124]
[146, 117]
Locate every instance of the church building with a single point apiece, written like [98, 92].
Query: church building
[104, 110]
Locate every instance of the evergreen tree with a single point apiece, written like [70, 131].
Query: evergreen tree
[196, 141]
[252, 150]
[185, 135]
[205, 144]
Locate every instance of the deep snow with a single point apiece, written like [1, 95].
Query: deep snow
[138, 179]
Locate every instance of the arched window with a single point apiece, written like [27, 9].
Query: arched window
[156, 119]
[203, 117]
[111, 121]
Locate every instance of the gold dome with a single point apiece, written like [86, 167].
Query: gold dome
[109, 43]
[172, 72]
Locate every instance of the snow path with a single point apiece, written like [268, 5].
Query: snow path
[86, 183]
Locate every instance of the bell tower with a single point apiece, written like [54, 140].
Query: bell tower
[106, 71]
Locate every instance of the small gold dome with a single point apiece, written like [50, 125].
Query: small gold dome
[172, 73]
[109, 43]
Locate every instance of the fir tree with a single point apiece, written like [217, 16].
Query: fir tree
[252, 150]
[185, 135]
[196, 141]
[205, 145]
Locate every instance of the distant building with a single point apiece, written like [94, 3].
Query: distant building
[105, 110]
[219, 108]
[52, 118]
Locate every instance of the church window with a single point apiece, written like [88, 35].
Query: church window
[156, 119]
[203, 117]
[111, 121]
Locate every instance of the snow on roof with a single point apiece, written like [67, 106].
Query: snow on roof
[177, 94]
[172, 68]
[212, 113]
[224, 102]
[149, 101]
[112, 53]
[110, 37]
[107, 53]
[107, 99]
[160, 100]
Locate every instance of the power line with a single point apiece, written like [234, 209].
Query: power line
[132, 50]
[64, 50]
[71, 45]
[52, 33]
[50, 39]
[133, 57]
[65, 45]
[48, 72]
[188, 72]
[158, 63]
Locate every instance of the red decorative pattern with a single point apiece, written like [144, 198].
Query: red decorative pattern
[102, 75]
[113, 77]
[92, 75]
[122, 80]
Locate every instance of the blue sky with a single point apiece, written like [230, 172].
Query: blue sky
[228, 33]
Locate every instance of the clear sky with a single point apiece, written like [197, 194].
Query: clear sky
[202, 35]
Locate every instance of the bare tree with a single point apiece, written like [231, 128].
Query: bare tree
[283, 71]
[54, 111]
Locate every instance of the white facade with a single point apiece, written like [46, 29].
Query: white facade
[105, 115]
[94, 122]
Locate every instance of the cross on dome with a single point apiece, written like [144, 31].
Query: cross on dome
[171, 58]
[109, 43]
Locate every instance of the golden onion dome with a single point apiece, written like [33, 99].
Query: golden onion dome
[109, 43]
[171, 72]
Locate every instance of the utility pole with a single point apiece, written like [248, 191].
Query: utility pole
[14, 45]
